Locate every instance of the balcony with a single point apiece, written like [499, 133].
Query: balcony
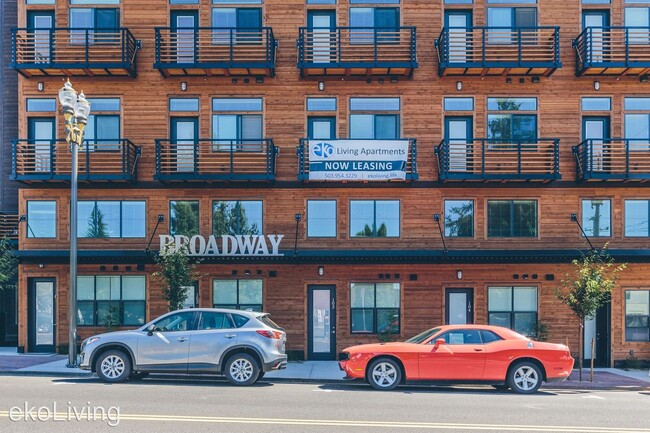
[9, 225]
[614, 159]
[362, 51]
[491, 160]
[613, 51]
[211, 51]
[74, 52]
[398, 163]
[50, 160]
[214, 160]
[498, 51]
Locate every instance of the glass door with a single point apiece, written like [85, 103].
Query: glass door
[459, 24]
[41, 315]
[41, 23]
[596, 129]
[184, 26]
[40, 137]
[458, 131]
[321, 27]
[321, 128]
[598, 329]
[184, 133]
[596, 20]
[459, 306]
[321, 334]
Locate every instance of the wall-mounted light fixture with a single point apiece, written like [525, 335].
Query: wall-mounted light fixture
[393, 79]
[534, 80]
[40, 86]
[321, 86]
[321, 271]
[41, 265]
[643, 78]
[596, 85]
[459, 274]
[183, 86]
[459, 85]
[259, 80]
[247, 272]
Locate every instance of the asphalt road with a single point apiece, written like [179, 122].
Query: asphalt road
[49, 404]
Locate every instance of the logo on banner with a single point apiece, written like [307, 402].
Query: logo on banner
[323, 150]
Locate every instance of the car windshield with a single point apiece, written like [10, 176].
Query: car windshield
[423, 336]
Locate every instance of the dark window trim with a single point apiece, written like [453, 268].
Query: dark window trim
[121, 236]
[374, 229]
[636, 327]
[625, 218]
[261, 228]
[170, 214]
[28, 227]
[238, 306]
[336, 209]
[512, 215]
[444, 215]
[120, 302]
[512, 312]
[375, 310]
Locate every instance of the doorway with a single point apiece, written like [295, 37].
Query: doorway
[596, 20]
[321, 326]
[41, 314]
[185, 25]
[458, 133]
[459, 306]
[41, 23]
[321, 128]
[598, 328]
[459, 23]
[596, 129]
[184, 133]
[321, 26]
[40, 138]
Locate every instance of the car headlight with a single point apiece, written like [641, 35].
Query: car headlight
[89, 341]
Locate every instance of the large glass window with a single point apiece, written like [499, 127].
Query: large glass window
[237, 294]
[375, 308]
[637, 213]
[111, 299]
[94, 20]
[321, 218]
[371, 118]
[512, 218]
[459, 218]
[184, 218]
[637, 315]
[237, 217]
[596, 217]
[637, 122]
[459, 104]
[103, 128]
[374, 218]
[246, 19]
[596, 104]
[321, 104]
[111, 219]
[364, 21]
[234, 126]
[41, 219]
[508, 122]
[41, 105]
[183, 104]
[514, 308]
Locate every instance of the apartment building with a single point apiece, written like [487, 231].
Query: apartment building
[355, 168]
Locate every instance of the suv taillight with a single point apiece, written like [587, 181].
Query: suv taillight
[275, 335]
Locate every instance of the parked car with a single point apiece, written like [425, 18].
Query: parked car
[241, 345]
[460, 354]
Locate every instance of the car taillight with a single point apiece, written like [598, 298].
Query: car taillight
[275, 335]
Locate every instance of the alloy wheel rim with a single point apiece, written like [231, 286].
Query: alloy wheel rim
[241, 370]
[113, 366]
[384, 374]
[526, 378]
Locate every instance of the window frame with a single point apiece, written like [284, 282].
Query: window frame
[238, 305]
[444, 214]
[584, 223]
[511, 227]
[198, 202]
[121, 231]
[625, 215]
[376, 114]
[234, 203]
[512, 310]
[28, 228]
[111, 302]
[374, 228]
[375, 309]
[336, 205]
[625, 317]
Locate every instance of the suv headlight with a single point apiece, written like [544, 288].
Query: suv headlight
[89, 341]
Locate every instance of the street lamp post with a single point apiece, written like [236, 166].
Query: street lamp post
[76, 110]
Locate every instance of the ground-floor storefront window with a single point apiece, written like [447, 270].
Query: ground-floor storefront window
[514, 308]
[637, 315]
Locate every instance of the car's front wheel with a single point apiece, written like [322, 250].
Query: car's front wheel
[384, 374]
[113, 366]
[524, 378]
[242, 369]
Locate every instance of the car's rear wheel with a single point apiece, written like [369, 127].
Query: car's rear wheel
[384, 374]
[113, 366]
[241, 369]
[524, 377]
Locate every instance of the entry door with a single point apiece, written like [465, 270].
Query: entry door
[184, 133]
[321, 128]
[458, 132]
[596, 129]
[42, 22]
[596, 20]
[321, 31]
[185, 24]
[40, 137]
[459, 23]
[41, 314]
[321, 333]
[598, 328]
[459, 306]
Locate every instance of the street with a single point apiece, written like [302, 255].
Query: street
[56, 404]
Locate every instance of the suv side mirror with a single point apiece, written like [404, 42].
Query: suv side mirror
[150, 330]
[439, 342]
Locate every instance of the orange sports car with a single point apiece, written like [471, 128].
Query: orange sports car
[460, 354]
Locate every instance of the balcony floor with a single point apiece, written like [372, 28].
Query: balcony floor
[108, 70]
[466, 70]
[175, 70]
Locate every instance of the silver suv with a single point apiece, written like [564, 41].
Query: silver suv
[241, 345]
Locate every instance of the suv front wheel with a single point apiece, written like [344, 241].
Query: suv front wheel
[241, 369]
[113, 366]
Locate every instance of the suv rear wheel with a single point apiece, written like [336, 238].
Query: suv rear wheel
[241, 369]
[113, 366]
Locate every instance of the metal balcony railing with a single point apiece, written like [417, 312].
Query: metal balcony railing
[357, 50]
[613, 159]
[488, 159]
[498, 51]
[613, 51]
[216, 51]
[74, 51]
[9, 225]
[215, 160]
[51, 160]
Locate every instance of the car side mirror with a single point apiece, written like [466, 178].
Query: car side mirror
[439, 342]
[150, 330]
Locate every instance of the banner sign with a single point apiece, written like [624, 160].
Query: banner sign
[357, 159]
[240, 245]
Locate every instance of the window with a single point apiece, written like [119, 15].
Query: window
[596, 104]
[460, 336]
[94, 2]
[386, 2]
[237, 218]
[321, 2]
[637, 213]
[459, 218]
[321, 218]
[637, 123]
[375, 308]
[374, 25]
[41, 219]
[512, 218]
[103, 129]
[184, 218]
[501, 19]
[237, 294]
[41, 105]
[458, 2]
[236, 18]
[489, 336]
[183, 2]
[242, 2]
[637, 20]
[191, 300]
[505, 2]
[596, 218]
[111, 219]
[374, 218]
[459, 104]
[595, 2]
[183, 104]
[369, 120]
[214, 320]
[115, 299]
[92, 20]
[40, 2]
[176, 322]
[637, 315]
[514, 308]
[242, 131]
[505, 124]
[321, 104]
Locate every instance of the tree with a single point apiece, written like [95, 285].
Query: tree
[96, 224]
[588, 288]
[177, 273]
[8, 262]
